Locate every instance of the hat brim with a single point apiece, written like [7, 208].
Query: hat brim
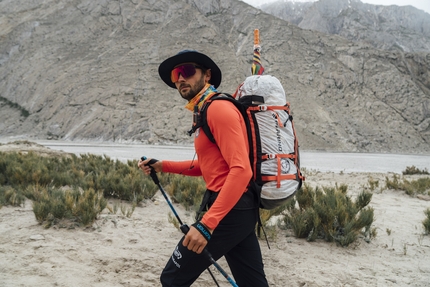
[189, 56]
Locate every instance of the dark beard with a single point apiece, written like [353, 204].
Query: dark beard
[194, 90]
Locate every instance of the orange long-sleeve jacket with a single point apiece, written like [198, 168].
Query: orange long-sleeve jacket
[225, 165]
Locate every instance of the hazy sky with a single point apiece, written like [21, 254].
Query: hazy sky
[420, 4]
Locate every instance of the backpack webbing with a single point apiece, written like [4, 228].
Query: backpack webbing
[248, 111]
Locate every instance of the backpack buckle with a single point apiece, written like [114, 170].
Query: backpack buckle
[197, 121]
[269, 156]
[262, 108]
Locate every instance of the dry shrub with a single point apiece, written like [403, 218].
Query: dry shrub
[426, 221]
[116, 179]
[411, 187]
[52, 205]
[10, 196]
[414, 170]
[184, 189]
[329, 213]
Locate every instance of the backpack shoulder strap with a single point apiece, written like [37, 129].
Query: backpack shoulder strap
[203, 112]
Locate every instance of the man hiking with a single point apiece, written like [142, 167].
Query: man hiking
[228, 227]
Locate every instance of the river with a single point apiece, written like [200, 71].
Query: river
[321, 161]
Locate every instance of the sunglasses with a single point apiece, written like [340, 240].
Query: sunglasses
[186, 70]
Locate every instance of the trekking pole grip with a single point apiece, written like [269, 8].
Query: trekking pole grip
[153, 173]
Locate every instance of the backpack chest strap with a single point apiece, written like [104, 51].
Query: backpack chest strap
[278, 155]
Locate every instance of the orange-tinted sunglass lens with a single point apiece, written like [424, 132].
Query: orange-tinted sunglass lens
[186, 71]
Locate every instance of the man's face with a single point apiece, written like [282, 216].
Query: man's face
[190, 86]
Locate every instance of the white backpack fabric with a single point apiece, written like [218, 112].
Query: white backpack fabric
[275, 150]
[273, 145]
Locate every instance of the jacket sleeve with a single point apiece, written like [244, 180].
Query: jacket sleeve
[189, 167]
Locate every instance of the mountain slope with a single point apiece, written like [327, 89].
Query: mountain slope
[87, 70]
[384, 27]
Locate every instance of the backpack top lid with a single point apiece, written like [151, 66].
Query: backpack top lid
[267, 86]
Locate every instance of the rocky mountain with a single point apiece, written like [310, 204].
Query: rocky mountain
[87, 70]
[384, 27]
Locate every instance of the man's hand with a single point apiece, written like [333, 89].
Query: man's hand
[197, 239]
[143, 165]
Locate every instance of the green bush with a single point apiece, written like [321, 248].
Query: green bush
[373, 184]
[394, 183]
[414, 170]
[51, 205]
[10, 196]
[420, 185]
[426, 221]
[265, 214]
[42, 180]
[330, 214]
[116, 179]
[184, 189]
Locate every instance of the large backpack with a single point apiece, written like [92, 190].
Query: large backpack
[273, 144]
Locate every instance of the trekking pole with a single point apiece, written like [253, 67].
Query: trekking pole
[185, 228]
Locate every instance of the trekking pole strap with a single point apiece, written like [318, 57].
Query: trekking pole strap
[203, 230]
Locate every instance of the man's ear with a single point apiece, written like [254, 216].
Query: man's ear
[208, 75]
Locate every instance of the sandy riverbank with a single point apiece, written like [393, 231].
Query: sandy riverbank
[121, 251]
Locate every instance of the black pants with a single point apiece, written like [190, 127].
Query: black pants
[234, 238]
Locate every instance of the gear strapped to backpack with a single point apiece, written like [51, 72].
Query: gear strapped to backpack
[273, 145]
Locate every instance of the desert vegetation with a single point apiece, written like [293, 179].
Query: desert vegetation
[329, 213]
[410, 187]
[70, 191]
[70, 187]
[414, 170]
[426, 221]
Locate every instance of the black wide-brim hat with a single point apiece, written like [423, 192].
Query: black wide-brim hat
[189, 56]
